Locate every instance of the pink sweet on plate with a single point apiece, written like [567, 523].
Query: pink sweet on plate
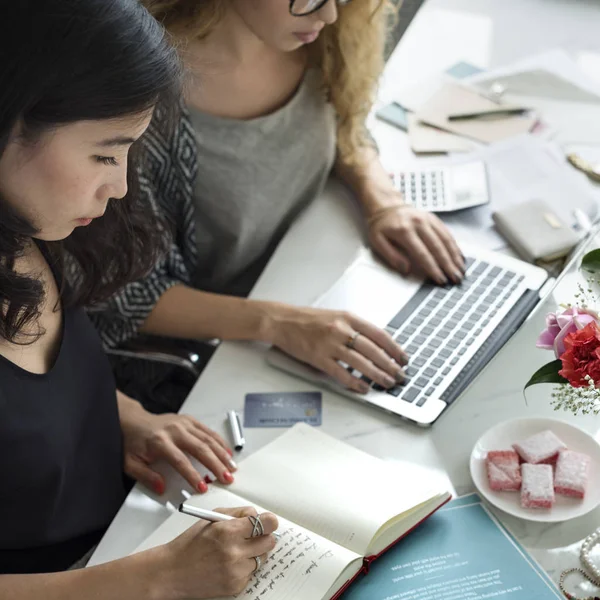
[537, 490]
[503, 470]
[571, 475]
[542, 448]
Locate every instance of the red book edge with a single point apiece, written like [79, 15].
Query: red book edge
[367, 560]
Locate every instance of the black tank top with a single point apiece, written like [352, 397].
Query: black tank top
[61, 458]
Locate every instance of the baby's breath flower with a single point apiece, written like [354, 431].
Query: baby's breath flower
[584, 400]
[585, 296]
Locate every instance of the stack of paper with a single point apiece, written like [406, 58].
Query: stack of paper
[455, 98]
[566, 103]
[425, 139]
[552, 84]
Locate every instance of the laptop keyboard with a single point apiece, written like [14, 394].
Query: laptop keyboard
[439, 324]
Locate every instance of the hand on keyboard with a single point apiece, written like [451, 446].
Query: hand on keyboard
[411, 239]
[321, 338]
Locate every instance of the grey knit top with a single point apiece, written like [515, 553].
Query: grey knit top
[254, 177]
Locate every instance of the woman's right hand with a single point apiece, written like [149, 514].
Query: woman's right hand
[217, 559]
[321, 337]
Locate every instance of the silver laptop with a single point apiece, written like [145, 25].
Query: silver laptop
[450, 333]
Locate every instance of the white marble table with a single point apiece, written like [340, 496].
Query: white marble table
[324, 241]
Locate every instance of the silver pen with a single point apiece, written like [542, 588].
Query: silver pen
[236, 430]
[209, 515]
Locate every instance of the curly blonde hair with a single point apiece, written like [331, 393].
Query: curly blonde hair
[349, 53]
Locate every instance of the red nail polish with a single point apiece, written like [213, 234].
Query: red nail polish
[228, 477]
[159, 487]
[202, 487]
[207, 479]
[230, 452]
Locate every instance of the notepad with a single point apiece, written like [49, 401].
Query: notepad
[338, 509]
[455, 98]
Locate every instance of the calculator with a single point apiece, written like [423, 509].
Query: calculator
[445, 189]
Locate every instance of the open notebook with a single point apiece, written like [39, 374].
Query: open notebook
[338, 509]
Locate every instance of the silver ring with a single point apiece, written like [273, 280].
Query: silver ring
[257, 526]
[258, 563]
[351, 342]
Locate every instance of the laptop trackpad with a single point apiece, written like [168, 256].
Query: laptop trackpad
[370, 291]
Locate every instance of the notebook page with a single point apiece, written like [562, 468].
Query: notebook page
[388, 534]
[302, 565]
[329, 487]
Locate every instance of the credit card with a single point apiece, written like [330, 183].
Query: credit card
[282, 409]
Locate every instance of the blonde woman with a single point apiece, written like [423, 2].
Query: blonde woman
[277, 97]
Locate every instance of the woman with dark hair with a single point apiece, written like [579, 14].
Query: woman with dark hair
[79, 82]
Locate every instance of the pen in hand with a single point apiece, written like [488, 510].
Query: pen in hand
[208, 515]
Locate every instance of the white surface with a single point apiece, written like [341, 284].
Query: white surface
[503, 435]
[323, 243]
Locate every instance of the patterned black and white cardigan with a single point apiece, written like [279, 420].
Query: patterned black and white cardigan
[167, 185]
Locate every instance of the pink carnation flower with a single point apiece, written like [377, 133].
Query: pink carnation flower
[559, 325]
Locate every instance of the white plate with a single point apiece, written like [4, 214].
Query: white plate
[503, 435]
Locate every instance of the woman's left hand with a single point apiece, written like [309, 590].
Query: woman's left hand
[148, 438]
[407, 237]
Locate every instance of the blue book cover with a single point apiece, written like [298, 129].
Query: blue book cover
[462, 552]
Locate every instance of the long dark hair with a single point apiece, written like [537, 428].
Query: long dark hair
[63, 61]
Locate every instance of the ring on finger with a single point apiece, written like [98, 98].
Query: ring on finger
[257, 526]
[351, 341]
[258, 562]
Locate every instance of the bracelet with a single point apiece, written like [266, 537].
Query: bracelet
[382, 212]
[593, 572]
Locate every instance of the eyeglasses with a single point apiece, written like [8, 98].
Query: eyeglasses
[301, 8]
